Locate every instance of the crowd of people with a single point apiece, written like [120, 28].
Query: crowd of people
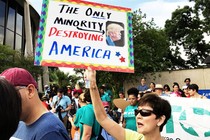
[188, 90]
[75, 113]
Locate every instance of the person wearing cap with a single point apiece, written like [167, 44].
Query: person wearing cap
[37, 122]
[159, 90]
[185, 91]
[46, 90]
[10, 109]
[69, 91]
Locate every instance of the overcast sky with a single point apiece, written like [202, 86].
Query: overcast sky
[160, 10]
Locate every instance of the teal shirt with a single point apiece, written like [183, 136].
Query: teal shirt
[88, 118]
[130, 118]
[109, 92]
[79, 114]
[105, 98]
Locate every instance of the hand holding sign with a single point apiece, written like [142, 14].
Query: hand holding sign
[89, 76]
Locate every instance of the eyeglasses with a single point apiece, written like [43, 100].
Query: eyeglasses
[20, 87]
[143, 112]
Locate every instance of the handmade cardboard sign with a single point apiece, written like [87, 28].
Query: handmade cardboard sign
[79, 34]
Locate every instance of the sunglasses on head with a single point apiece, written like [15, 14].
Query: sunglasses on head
[143, 112]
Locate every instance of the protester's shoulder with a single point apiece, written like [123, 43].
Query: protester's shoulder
[88, 108]
[50, 121]
[51, 125]
[48, 125]
[80, 110]
[133, 135]
[67, 97]
[21, 126]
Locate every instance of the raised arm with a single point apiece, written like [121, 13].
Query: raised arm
[109, 125]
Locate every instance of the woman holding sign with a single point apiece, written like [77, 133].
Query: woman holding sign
[152, 114]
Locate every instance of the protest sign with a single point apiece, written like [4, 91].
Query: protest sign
[204, 92]
[79, 34]
[189, 120]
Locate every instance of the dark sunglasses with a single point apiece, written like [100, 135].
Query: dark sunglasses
[143, 112]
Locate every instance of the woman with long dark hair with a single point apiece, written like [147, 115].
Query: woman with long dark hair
[10, 109]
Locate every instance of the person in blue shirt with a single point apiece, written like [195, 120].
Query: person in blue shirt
[61, 104]
[142, 87]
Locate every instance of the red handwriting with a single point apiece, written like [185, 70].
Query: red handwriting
[75, 34]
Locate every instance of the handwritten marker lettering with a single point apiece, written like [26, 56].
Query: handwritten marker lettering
[86, 51]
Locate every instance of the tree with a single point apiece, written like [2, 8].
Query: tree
[59, 78]
[6, 57]
[62, 79]
[28, 63]
[203, 7]
[10, 58]
[188, 28]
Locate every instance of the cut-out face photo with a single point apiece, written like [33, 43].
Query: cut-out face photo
[115, 34]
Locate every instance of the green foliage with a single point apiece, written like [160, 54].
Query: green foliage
[62, 79]
[28, 63]
[58, 77]
[188, 27]
[10, 58]
[6, 57]
[203, 7]
[151, 51]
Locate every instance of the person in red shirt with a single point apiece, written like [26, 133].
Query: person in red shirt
[44, 100]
